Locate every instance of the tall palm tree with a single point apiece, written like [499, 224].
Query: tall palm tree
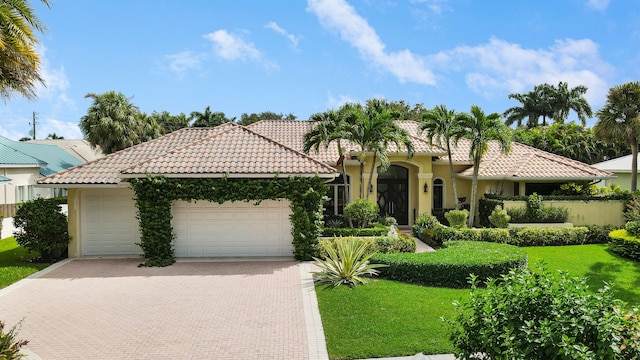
[208, 118]
[480, 129]
[444, 128]
[528, 109]
[114, 123]
[328, 127]
[570, 99]
[19, 61]
[619, 121]
[373, 129]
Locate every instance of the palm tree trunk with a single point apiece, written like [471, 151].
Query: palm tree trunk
[634, 165]
[474, 192]
[361, 179]
[373, 165]
[453, 178]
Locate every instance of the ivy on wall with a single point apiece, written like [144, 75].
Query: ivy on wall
[154, 196]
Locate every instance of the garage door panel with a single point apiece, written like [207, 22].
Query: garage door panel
[208, 229]
[108, 222]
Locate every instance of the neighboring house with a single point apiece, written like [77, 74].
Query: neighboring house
[80, 149]
[102, 213]
[621, 168]
[22, 164]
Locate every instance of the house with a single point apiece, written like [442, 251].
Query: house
[621, 168]
[22, 164]
[103, 218]
[80, 149]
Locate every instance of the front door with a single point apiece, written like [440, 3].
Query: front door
[393, 193]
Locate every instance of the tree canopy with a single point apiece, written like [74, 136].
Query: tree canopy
[247, 119]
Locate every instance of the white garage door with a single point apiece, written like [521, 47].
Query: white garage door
[232, 229]
[108, 222]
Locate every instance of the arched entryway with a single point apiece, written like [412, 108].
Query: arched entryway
[393, 193]
[438, 194]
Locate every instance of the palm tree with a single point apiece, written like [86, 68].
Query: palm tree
[54, 136]
[480, 129]
[570, 99]
[19, 61]
[208, 118]
[529, 109]
[328, 127]
[373, 129]
[619, 121]
[443, 128]
[114, 123]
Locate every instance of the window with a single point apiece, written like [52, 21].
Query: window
[336, 203]
[438, 194]
[24, 193]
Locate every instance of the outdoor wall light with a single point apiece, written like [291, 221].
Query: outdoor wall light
[371, 188]
[426, 187]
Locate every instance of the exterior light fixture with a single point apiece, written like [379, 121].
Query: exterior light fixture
[426, 187]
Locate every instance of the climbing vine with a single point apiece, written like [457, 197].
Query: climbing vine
[154, 196]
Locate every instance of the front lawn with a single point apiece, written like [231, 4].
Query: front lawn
[390, 318]
[14, 263]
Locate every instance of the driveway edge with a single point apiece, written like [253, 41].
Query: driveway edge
[315, 332]
[26, 280]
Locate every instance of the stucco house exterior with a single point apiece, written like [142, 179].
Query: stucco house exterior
[621, 168]
[102, 213]
[22, 164]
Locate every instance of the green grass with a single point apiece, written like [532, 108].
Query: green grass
[386, 318]
[389, 318]
[595, 263]
[14, 262]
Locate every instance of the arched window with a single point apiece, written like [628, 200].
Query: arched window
[438, 194]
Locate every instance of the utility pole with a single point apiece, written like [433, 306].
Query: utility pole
[32, 132]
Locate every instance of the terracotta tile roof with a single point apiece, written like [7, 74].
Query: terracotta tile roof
[236, 151]
[528, 163]
[291, 132]
[202, 151]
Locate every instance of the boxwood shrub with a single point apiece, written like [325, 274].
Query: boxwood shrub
[378, 230]
[624, 244]
[381, 244]
[452, 265]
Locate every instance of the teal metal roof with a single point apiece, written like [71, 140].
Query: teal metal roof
[50, 158]
[4, 178]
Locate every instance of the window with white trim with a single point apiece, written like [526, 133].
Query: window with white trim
[337, 194]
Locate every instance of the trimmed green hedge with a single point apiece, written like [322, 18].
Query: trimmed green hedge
[528, 236]
[377, 230]
[452, 265]
[382, 244]
[624, 244]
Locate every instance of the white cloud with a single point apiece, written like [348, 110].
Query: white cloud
[336, 103]
[597, 4]
[184, 61]
[292, 38]
[56, 82]
[434, 6]
[232, 47]
[499, 66]
[65, 129]
[340, 16]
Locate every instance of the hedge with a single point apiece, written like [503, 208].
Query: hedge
[452, 265]
[624, 244]
[378, 230]
[527, 236]
[382, 244]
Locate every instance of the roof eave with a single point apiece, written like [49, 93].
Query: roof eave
[234, 176]
[534, 178]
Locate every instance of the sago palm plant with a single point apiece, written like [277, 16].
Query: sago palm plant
[346, 264]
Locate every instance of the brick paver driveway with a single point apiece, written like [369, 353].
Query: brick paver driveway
[112, 309]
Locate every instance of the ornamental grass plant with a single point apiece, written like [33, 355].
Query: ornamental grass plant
[346, 263]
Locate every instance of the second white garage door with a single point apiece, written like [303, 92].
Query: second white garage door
[232, 229]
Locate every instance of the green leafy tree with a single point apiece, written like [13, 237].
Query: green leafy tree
[403, 110]
[54, 136]
[619, 121]
[247, 119]
[113, 123]
[444, 128]
[208, 118]
[169, 123]
[42, 227]
[19, 61]
[567, 99]
[481, 129]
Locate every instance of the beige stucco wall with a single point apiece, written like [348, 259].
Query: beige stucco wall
[623, 180]
[585, 212]
[73, 219]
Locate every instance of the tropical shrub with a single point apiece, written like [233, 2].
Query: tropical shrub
[431, 237]
[452, 265]
[527, 236]
[577, 188]
[425, 228]
[379, 244]
[624, 244]
[485, 208]
[42, 227]
[535, 212]
[633, 228]
[361, 212]
[534, 315]
[9, 344]
[632, 209]
[387, 221]
[348, 264]
[599, 234]
[457, 218]
[499, 217]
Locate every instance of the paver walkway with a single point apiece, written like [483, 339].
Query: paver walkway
[111, 309]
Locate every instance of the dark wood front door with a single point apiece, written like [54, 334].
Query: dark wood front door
[393, 193]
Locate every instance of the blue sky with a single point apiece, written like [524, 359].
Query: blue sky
[306, 57]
